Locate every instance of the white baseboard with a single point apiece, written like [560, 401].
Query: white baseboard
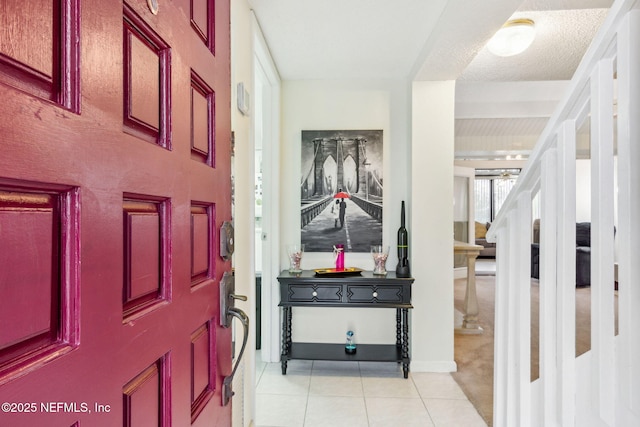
[433, 366]
[460, 273]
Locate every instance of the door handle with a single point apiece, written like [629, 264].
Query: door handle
[228, 311]
[228, 298]
[227, 390]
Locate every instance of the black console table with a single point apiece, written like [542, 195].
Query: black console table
[307, 289]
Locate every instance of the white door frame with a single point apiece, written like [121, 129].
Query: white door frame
[267, 80]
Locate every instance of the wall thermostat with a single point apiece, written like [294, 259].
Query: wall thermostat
[243, 99]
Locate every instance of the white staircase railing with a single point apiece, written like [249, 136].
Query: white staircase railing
[601, 387]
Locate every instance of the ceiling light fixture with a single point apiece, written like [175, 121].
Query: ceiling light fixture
[513, 38]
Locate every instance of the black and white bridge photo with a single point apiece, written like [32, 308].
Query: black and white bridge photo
[341, 171]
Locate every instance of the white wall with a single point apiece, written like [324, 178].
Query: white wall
[432, 225]
[583, 190]
[335, 105]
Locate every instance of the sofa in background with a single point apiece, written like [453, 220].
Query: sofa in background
[535, 250]
[481, 239]
[583, 253]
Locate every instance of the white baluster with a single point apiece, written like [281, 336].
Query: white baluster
[501, 329]
[522, 286]
[512, 324]
[566, 217]
[548, 287]
[602, 190]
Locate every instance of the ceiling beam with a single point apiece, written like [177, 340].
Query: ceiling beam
[483, 100]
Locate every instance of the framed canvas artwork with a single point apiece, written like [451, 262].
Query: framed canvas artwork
[341, 189]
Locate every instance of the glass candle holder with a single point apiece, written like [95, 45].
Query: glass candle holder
[380, 254]
[295, 257]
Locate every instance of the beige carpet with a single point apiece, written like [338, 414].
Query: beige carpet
[474, 353]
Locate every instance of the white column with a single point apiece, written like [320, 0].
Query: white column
[548, 288]
[602, 250]
[566, 246]
[431, 226]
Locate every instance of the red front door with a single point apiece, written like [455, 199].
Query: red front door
[114, 179]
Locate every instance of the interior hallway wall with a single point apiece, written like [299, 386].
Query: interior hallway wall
[338, 105]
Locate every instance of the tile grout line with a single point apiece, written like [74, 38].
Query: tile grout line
[259, 377]
[306, 406]
[423, 402]
[364, 398]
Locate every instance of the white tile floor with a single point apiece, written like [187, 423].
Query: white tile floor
[333, 394]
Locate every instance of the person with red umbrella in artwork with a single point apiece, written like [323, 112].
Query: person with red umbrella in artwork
[342, 207]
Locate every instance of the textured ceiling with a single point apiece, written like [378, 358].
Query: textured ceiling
[562, 38]
[434, 40]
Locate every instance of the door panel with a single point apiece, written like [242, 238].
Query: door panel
[34, 308]
[203, 372]
[39, 51]
[202, 22]
[146, 400]
[27, 38]
[109, 211]
[146, 255]
[202, 120]
[147, 80]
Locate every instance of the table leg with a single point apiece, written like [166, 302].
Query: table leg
[286, 338]
[405, 342]
[470, 323]
[398, 328]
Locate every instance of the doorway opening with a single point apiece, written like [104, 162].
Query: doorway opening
[266, 130]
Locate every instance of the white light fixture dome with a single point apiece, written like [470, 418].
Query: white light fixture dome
[513, 38]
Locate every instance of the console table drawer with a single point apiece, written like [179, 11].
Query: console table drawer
[313, 293]
[377, 294]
